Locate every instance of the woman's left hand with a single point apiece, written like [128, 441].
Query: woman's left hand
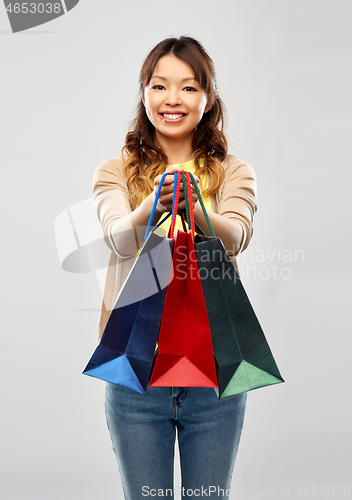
[165, 198]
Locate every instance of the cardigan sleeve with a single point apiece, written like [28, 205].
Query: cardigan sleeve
[237, 196]
[111, 197]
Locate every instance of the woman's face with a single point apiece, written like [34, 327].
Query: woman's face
[174, 100]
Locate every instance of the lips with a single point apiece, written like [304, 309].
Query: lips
[173, 116]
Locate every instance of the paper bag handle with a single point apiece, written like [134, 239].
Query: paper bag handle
[189, 202]
[175, 200]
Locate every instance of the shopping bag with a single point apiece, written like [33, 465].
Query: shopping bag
[185, 357]
[243, 357]
[126, 350]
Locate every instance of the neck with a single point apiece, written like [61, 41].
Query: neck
[176, 150]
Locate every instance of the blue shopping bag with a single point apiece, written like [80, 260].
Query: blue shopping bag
[126, 350]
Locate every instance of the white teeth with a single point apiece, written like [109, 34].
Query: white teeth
[172, 117]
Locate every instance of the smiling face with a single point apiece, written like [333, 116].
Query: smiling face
[174, 100]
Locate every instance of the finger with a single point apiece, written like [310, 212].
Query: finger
[181, 206]
[166, 199]
[167, 189]
[157, 180]
[169, 180]
[172, 170]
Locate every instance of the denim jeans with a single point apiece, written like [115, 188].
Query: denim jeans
[143, 430]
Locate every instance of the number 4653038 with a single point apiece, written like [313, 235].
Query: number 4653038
[323, 491]
[34, 8]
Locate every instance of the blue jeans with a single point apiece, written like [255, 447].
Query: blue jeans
[143, 431]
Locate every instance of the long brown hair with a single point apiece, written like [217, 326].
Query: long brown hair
[145, 160]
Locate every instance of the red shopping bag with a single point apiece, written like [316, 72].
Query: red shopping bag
[185, 357]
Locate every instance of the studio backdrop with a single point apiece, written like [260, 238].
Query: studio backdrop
[69, 86]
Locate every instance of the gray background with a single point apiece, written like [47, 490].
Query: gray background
[67, 94]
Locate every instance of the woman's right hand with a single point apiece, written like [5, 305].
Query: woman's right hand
[167, 190]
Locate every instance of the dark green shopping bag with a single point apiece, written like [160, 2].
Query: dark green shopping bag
[243, 357]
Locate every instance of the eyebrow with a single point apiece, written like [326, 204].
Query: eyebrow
[183, 79]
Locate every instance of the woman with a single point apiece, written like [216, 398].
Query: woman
[179, 125]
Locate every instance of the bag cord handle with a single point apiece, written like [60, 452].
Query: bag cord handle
[190, 202]
[152, 213]
[186, 176]
[175, 201]
[187, 188]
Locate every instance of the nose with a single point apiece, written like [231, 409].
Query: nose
[173, 98]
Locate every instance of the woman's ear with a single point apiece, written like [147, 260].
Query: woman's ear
[208, 106]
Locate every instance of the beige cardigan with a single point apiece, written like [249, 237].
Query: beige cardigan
[235, 199]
